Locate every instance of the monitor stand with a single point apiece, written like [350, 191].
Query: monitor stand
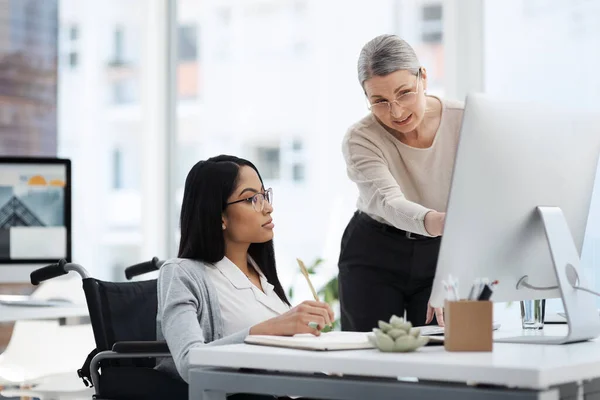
[580, 304]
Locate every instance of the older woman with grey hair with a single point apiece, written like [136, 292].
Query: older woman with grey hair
[401, 157]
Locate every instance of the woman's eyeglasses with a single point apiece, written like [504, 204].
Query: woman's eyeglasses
[258, 201]
[404, 100]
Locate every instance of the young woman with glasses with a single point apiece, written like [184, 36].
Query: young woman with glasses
[401, 157]
[224, 285]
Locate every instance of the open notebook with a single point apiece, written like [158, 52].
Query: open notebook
[326, 341]
[434, 330]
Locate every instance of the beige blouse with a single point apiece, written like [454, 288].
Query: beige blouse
[399, 184]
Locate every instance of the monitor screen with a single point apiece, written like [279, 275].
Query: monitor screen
[35, 210]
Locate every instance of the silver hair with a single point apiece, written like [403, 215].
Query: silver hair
[386, 54]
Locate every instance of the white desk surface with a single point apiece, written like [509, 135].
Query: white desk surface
[527, 366]
[19, 313]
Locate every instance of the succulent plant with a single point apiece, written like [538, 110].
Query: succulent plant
[397, 335]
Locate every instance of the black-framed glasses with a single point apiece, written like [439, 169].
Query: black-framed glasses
[258, 201]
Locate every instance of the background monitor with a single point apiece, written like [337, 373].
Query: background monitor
[35, 215]
[513, 157]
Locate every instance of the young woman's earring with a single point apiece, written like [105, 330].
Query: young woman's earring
[223, 226]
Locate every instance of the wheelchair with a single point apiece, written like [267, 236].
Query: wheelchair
[123, 319]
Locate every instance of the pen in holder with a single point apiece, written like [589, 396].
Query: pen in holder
[469, 325]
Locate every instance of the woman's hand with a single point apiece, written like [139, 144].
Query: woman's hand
[296, 320]
[434, 223]
[438, 312]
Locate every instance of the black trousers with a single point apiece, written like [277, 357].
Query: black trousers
[382, 272]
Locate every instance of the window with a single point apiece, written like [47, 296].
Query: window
[298, 173]
[432, 23]
[73, 33]
[261, 20]
[123, 91]
[222, 32]
[118, 46]
[73, 59]
[297, 145]
[267, 160]
[294, 160]
[70, 46]
[117, 167]
[299, 16]
[188, 68]
[535, 8]
[108, 144]
[432, 12]
[187, 49]
[422, 25]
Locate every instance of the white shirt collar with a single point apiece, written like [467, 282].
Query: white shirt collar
[233, 274]
[267, 287]
[240, 281]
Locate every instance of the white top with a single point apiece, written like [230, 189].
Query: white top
[243, 304]
[399, 184]
[531, 366]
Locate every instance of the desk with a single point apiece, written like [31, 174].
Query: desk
[20, 313]
[517, 371]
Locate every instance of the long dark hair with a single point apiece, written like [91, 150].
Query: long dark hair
[207, 188]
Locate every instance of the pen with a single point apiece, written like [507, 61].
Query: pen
[486, 293]
[474, 292]
[446, 290]
[453, 287]
[470, 296]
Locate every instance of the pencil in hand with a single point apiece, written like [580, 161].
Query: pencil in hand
[312, 289]
[305, 273]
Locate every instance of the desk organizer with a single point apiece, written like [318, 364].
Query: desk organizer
[469, 325]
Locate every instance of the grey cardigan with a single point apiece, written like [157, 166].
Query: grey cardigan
[188, 314]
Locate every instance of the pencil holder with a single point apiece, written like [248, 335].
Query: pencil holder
[468, 325]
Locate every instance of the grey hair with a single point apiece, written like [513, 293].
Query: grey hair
[386, 54]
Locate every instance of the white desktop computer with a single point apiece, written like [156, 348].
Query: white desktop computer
[519, 205]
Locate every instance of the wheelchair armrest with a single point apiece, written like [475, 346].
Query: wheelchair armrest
[126, 350]
[140, 347]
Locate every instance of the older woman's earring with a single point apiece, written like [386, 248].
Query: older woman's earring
[223, 226]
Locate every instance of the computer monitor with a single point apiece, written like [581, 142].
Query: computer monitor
[512, 158]
[35, 215]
